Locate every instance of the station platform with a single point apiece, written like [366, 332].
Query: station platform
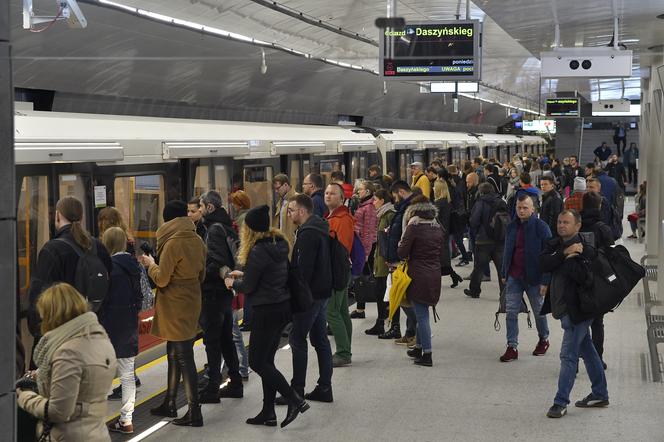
[468, 395]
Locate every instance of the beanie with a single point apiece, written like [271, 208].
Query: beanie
[258, 218]
[174, 209]
[579, 184]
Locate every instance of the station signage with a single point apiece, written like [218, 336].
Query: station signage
[540, 126]
[563, 107]
[433, 51]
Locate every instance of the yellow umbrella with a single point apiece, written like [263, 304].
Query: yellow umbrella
[400, 283]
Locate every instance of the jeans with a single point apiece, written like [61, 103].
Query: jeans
[339, 320]
[632, 174]
[577, 343]
[484, 253]
[513, 294]
[423, 339]
[313, 323]
[217, 323]
[411, 321]
[239, 346]
[128, 383]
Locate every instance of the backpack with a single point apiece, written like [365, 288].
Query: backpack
[502, 308]
[340, 263]
[616, 220]
[92, 279]
[357, 256]
[499, 218]
[232, 242]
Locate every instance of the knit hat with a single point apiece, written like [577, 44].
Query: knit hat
[174, 209]
[579, 184]
[258, 218]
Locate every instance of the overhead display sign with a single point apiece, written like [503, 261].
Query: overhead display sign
[540, 126]
[563, 107]
[433, 51]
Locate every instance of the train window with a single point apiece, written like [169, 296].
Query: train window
[201, 180]
[221, 181]
[74, 185]
[140, 199]
[258, 184]
[32, 228]
[327, 167]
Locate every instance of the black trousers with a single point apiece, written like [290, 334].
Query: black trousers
[597, 331]
[217, 323]
[632, 174]
[268, 322]
[485, 253]
[180, 357]
[381, 305]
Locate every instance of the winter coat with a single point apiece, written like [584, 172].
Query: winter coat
[617, 172]
[281, 213]
[82, 371]
[536, 236]
[57, 262]
[396, 230]
[552, 205]
[311, 254]
[444, 218]
[119, 312]
[609, 186]
[479, 219]
[380, 266]
[421, 245]
[495, 181]
[422, 181]
[630, 155]
[318, 199]
[219, 226]
[366, 225]
[178, 277]
[591, 221]
[342, 223]
[265, 279]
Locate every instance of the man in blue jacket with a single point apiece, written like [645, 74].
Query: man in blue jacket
[525, 239]
[313, 186]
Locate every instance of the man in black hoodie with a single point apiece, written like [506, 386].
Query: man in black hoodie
[216, 312]
[552, 203]
[311, 255]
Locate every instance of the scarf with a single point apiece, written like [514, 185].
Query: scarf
[172, 228]
[387, 207]
[52, 340]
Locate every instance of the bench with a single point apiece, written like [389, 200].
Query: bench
[654, 322]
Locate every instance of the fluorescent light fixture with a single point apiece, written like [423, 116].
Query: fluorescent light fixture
[204, 149]
[66, 152]
[297, 147]
[444, 87]
[470, 87]
[298, 143]
[119, 6]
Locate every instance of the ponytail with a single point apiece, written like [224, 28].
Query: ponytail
[72, 210]
[81, 236]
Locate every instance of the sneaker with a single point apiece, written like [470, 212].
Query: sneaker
[338, 361]
[592, 401]
[556, 411]
[392, 333]
[356, 314]
[541, 348]
[119, 427]
[511, 354]
[405, 340]
[471, 294]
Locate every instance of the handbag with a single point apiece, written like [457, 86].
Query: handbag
[300, 292]
[382, 241]
[365, 288]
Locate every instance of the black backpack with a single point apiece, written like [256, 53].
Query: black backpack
[340, 262]
[91, 279]
[232, 242]
[499, 218]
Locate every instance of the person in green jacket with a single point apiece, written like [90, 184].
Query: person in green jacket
[382, 201]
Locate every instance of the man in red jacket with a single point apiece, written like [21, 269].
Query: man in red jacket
[342, 224]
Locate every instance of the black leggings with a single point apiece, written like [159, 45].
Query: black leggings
[267, 323]
[180, 356]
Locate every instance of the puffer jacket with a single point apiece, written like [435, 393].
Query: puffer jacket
[265, 277]
[311, 254]
[366, 224]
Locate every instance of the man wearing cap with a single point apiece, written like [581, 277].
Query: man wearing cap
[575, 202]
[420, 179]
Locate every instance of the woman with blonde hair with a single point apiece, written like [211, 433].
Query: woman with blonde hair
[264, 255]
[443, 204]
[76, 365]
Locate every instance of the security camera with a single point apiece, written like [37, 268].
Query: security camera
[574, 65]
[586, 64]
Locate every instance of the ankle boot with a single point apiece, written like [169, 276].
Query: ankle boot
[166, 409]
[424, 361]
[415, 353]
[378, 329]
[193, 417]
[456, 279]
[393, 333]
[296, 405]
[267, 418]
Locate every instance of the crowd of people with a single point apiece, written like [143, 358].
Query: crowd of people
[528, 216]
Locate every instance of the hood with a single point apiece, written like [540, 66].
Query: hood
[319, 192]
[276, 247]
[181, 227]
[339, 212]
[403, 204]
[127, 262]
[532, 190]
[218, 216]
[422, 210]
[589, 217]
[489, 197]
[316, 223]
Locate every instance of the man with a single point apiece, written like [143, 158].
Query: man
[194, 214]
[576, 167]
[630, 156]
[419, 179]
[575, 202]
[282, 187]
[376, 177]
[311, 255]
[525, 239]
[486, 248]
[216, 311]
[432, 176]
[594, 185]
[589, 170]
[338, 177]
[342, 225]
[492, 177]
[313, 187]
[478, 169]
[602, 153]
[620, 137]
[565, 258]
[616, 170]
[525, 188]
[552, 202]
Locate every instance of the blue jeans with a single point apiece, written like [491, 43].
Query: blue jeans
[577, 342]
[239, 345]
[423, 337]
[313, 323]
[513, 294]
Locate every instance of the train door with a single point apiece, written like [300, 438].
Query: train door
[473, 152]
[459, 155]
[406, 158]
[299, 166]
[326, 164]
[257, 182]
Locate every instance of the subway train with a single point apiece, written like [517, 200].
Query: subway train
[138, 163]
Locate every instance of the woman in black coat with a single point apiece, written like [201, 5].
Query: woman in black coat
[264, 255]
[458, 214]
[444, 207]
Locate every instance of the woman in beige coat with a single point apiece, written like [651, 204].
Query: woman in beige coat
[76, 364]
[178, 277]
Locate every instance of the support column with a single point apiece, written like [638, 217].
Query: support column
[7, 235]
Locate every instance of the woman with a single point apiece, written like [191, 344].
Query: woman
[241, 204]
[640, 213]
[264, 255]
[421, 246]
[382, 201]
[535, 173]
[111, 217]
[178, 277]
[513, 183]
[443, 205]
[119, 316]
[459, 216]
[366, 222]
[76, 368]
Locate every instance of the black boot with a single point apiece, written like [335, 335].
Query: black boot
[193, 417]
[378, 329]
[232, 390]
[415, 353]
[320, 394]
[456, 279]
[269, 419]
[168, 408]
[425, 360]
[296, 405]
[280, 400]
[393, 333]
[209, 394]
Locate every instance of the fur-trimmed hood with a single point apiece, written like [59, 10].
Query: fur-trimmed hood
[425, 211]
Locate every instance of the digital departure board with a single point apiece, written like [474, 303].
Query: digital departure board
[563, 107]
[433, 51]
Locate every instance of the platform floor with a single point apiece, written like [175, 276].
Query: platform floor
[468, 395]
